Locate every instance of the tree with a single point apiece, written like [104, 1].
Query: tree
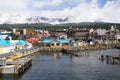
[71, 32]
[119, 40]
[14, 36]
[77, 39]
[7, 38]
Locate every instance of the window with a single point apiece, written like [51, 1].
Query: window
[57, 44]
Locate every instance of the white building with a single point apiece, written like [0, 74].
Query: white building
[5, 34]
[101, 31]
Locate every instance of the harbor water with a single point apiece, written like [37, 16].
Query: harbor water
[47, 66]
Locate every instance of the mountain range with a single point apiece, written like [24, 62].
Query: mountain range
[20, 19]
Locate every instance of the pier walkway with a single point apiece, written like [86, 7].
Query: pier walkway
[16, 62]
[18, 53]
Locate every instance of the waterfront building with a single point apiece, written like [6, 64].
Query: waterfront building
[79, 43]
[22, 44]
[4, 34]
[5, 46]
[56, 42]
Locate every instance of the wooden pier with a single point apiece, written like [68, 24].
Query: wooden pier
[15, 67]
[110, 59]
[17, 63]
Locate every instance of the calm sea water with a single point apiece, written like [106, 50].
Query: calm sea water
[48, 67]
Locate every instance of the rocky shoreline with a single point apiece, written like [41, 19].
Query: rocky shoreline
[67, 49]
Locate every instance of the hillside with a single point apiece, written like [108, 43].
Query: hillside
[60, 26]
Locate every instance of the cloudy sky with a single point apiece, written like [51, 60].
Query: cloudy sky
[83, 10]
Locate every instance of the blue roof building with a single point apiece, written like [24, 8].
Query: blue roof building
[56, 42]
[5, 43]
[64, 40]
[21, 42]
[47, 40]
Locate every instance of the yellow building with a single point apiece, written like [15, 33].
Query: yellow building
[91, 30]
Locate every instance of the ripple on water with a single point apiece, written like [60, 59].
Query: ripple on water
[47, 67]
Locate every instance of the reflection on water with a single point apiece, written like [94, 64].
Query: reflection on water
[8, 77]
[57, 66]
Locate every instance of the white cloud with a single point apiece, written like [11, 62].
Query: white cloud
[111, 11]
[15, 4]
[90, 12]
[83, 11]
[41, 4]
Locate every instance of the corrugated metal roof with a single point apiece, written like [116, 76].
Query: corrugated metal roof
[63, 40]
[20, 42]
[57, 40]
[5, 43]
[47, 40]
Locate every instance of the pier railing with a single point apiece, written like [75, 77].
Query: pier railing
[22, 53]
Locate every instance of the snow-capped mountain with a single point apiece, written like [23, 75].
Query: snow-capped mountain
[20, 19]
[38, 19]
